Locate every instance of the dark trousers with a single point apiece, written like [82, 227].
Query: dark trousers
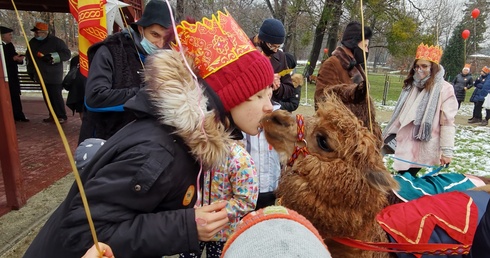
[459, 103]
[56, 98]
[477, 109]
[16, 104]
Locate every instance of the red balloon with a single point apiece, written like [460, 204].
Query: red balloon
[465, 34]
[475, 13]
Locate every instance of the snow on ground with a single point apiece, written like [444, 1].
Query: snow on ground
[472, 145]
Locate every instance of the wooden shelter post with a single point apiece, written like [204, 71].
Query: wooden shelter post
[9, 149]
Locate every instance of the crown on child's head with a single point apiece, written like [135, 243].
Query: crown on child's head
[429, 53]
[214, 43]
[485, 69]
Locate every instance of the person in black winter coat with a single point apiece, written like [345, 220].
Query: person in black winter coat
[49, 53]
[481, 240]
[291, 104]
[269, 40]
[461, 83]
[115, 68]
[143, 184]
[76, 90]
[12, 60]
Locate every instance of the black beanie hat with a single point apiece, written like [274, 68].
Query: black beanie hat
[272, 31]
[4, 30]
[353, 34]
[156, 12]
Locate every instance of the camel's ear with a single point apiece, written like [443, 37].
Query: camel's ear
[382, 180]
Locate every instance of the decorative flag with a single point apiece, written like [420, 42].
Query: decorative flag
[92, 26]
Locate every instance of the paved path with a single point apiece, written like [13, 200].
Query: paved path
[42, 155]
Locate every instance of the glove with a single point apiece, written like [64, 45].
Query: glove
[360, 93]
[357, 79]
[47, 58]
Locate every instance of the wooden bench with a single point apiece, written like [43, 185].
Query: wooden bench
[26, 83]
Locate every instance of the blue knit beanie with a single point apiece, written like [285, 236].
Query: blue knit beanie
[272, 31]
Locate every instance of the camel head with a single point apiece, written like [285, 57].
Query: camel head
[338, 180]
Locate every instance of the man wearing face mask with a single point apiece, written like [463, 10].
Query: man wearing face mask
[49, 53]
[115, 69]
[343, 74]
[269, 41]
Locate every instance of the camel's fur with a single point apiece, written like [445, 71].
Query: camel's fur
[315, 185]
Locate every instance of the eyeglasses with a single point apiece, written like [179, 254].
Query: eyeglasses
[273, 47]
[422, 66]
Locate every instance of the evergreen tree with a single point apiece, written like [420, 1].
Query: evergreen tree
[455, 56]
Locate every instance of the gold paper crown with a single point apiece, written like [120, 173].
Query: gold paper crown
[485, 69]
[432, 53]
[214, 43]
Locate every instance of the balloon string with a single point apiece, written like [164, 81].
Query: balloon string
[198, 86]
[62, 135]
[368, 97]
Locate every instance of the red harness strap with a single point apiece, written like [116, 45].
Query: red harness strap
[416, 249]
[301, 134]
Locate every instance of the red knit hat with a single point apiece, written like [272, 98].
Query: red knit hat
[226, 58]
[238, 81]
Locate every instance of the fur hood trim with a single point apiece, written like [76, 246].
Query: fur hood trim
[179, 101]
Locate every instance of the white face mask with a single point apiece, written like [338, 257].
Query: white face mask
[421, 73]
[149, 47]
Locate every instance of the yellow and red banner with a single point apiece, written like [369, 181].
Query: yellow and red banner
[92, 26]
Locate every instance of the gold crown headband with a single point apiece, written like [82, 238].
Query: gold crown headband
[214, 43]
[429, 53]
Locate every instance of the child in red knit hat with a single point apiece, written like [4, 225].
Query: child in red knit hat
[145, 183]
[241, 82]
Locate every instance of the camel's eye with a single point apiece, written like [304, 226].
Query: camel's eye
[322, 143]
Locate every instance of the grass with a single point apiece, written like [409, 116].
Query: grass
[377, 82]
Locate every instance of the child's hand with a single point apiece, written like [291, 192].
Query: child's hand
[277, 82]
[210, 219]
[93, 253]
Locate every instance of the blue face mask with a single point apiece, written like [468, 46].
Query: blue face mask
[149, 47]
[40, 38]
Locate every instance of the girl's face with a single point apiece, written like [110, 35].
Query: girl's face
[247, 115]
[422, 68]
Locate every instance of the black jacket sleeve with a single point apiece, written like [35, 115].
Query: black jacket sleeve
[292, 103]
[126, 218]
[481, 240]
[279, 64]
[99, 92]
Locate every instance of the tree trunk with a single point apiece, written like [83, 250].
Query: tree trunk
[179, 13]
[328, 13]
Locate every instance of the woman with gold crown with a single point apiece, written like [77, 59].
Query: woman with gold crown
[422, 124]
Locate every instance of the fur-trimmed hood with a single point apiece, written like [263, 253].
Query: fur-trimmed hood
[175, 98]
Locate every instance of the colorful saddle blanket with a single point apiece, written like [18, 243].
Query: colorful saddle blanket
[412, 187]
[449, 218]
